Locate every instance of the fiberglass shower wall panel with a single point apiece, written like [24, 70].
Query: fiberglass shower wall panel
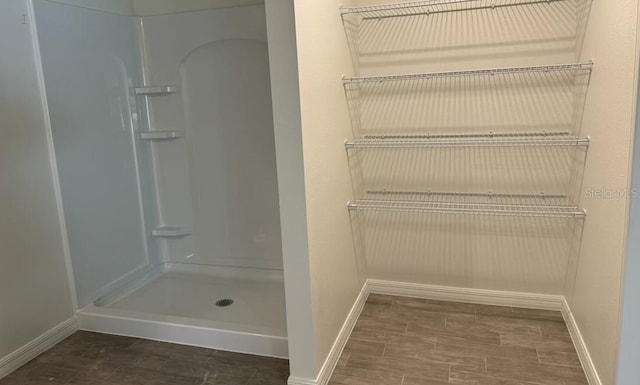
[220, 180]
[90, 61]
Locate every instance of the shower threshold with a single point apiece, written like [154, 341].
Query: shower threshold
[180, 303]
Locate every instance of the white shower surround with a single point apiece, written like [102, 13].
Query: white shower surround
[152, 299]
[234, 214]
[185, 50]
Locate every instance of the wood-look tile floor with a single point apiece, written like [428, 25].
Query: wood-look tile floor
[99, 359]
[407, 341]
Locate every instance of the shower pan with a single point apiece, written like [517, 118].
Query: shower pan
[163, 135]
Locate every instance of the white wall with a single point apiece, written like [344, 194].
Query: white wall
[34, 286]
[628, 370]
[123, 7]
[158, 7]
[609, 120]
[323, 56]
[281, 32]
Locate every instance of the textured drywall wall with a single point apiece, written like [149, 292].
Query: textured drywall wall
[34, 285]
[283, 63]
[609, 121]
[628, 370]
[323, 56]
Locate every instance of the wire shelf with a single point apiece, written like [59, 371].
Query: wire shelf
[427, 7]
[500, 100]
[541, 205]
[577, 67]
[489, 140]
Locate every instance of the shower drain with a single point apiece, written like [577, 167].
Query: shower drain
[224, 302]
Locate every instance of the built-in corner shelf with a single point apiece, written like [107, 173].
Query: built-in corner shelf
[156, 90]
[470, 140]
[171, 232]
[160, 135]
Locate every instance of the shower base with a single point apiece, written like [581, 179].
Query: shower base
[177, 303]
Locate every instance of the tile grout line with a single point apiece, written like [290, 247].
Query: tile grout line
[251, 378]
[100, 351]
[206, 377]
[503, 336]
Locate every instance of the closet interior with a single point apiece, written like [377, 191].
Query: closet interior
[467, 152]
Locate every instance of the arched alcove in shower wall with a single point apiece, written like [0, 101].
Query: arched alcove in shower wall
[219, 180]
[230, 144]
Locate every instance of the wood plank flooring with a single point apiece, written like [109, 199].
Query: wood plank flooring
[407, 341]
[99, 359]
[396, 341]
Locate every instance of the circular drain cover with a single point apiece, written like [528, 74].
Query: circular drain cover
[224, 302]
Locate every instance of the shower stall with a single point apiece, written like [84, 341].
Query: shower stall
[163, 135]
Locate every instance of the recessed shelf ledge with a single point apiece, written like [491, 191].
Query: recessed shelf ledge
[488, 140]
[587, 66]
[160, 135]
[156, 90]
[513, 210]
[171, 232]
[427, 7]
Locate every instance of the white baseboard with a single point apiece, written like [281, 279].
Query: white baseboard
[460, 294]
[581, 347]
[456, 294]
[38, 346]
[336, 350]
